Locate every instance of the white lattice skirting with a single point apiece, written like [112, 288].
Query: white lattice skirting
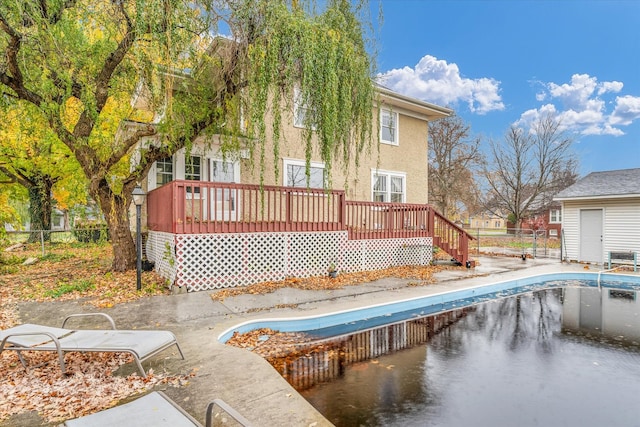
[213, 261]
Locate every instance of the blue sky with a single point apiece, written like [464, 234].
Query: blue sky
[498, 63]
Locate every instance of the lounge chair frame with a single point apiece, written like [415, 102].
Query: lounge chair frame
[141, 344]
[153, 409]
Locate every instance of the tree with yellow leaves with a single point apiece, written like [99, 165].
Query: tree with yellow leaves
[32, 156]
[82, 63]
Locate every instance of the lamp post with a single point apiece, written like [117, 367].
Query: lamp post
[138, 199]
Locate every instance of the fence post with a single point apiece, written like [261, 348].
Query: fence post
[464, 245]
[342, 211]
[535, 244]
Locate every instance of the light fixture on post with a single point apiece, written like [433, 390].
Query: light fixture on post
[138, 199]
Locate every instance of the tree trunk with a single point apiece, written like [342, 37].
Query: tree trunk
[116, 212]
[40, 206]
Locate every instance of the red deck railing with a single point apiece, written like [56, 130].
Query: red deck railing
[196, 207]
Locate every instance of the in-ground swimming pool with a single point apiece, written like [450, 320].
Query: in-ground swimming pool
[537, 359]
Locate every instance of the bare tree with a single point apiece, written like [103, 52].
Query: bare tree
[453, 155]
[527, 165]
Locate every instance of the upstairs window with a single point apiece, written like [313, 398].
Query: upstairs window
[300, 110]
[164, 171]
[388, 127]
[295, 175]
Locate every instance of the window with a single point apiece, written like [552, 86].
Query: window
[300, 110]
[222, 171]
[295, 176]
[164, 171]
[555, 216]
[193, 168]
[225, 199]
[388, 187]
[193, 172]
[388, 127]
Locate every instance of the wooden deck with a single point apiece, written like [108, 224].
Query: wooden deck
[197, 207]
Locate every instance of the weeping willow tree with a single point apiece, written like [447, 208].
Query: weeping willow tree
[128, 82]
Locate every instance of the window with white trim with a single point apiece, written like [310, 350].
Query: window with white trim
[221, 171]
[300, 110]
[164, 171]
[225, 204]
[388, 186]
[193, 168]
[555, 216]
[295, 174]
[388, 127]
[193, 171]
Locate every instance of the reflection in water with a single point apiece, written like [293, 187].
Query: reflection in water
[542, 358]
[612, 314]
[305, 360]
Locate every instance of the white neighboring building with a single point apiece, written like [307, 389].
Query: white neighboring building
[601, 214]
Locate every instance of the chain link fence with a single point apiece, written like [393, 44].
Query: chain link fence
[48, 239]
[516, 242]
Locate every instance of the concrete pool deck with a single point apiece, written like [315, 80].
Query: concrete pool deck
[240, 378]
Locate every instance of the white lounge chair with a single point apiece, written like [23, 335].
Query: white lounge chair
[152, 410]
[141, 344]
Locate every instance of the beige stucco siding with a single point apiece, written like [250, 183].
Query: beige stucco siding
[409, 157]
[621, 225]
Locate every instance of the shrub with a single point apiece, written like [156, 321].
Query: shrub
[91, 231]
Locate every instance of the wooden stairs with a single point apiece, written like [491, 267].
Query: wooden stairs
[452, 239]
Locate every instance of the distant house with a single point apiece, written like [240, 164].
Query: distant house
[487, 219]
[601, 214]
[547, 216]
[554, 220]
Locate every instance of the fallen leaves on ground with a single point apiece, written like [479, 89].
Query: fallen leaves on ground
[70, 273]
[422, 274]
[81, 272]
[270, 343]
[89, 386]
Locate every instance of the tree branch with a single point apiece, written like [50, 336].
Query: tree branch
[127, 144]
[17, 177]
[14, 78]
[85, 123]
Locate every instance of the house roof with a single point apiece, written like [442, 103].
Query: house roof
[416, 106]
[621, 183]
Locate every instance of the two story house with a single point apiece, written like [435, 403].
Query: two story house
[212, 224]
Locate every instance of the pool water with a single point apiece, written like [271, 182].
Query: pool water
[555, 357]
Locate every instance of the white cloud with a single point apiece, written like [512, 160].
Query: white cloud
[584, 105]
[581, 106]
[610, 87]
[436, 81]
[627, 110]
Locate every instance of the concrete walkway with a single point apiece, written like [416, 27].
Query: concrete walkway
[246, 381]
